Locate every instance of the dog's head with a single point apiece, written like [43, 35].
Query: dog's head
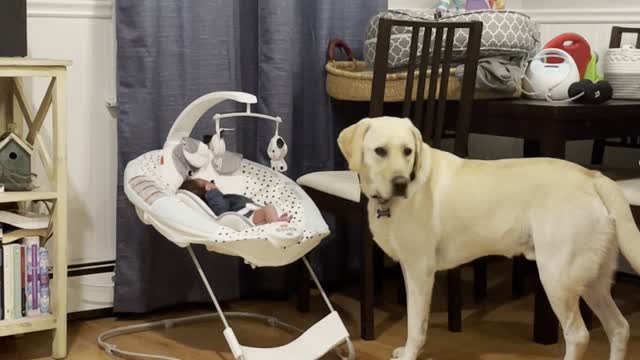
[388, 154]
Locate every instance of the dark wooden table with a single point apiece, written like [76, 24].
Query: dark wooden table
[546, 128]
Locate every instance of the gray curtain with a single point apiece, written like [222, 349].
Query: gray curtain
[170, 53]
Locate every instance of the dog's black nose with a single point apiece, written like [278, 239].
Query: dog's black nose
[399, 185]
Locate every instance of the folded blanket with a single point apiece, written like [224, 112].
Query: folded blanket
[498, 73]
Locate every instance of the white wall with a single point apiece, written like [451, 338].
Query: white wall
[83, 32]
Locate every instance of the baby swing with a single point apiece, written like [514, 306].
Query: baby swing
[152, 181]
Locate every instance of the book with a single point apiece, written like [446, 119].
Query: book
[23, 281]
[28, 291]
[17, 287]
[44, 280]
[8, 282]
[1, 284]
[32, 290]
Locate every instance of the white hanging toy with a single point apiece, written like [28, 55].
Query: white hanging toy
[196, 153]
[277, 150]
[550, 81]
[151, 183]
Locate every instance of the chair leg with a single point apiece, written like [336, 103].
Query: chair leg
[454, 298]
[518, 279]
[304, 289]
[545, 322]
[597, 152]
[480, 279]
[587, 314]
[402, 290]
[366, 280]
[378, 270]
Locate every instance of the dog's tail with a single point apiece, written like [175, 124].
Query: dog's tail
[618, 206]
[631, 190]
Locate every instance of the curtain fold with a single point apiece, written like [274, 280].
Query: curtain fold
[169, 54]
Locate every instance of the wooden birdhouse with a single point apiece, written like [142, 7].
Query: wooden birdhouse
[15, 163]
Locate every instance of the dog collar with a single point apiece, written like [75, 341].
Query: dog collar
[383, 212]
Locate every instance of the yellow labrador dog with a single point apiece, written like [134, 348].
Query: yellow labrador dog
[430, 210]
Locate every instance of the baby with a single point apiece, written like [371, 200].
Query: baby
[221, 203]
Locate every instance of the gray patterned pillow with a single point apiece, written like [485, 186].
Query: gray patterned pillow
[505, 33]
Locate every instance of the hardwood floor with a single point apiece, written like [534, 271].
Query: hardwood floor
[500, 329]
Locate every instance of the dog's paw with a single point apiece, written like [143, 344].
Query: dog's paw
[398, 353]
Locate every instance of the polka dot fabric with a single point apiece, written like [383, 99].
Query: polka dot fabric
[185, 225]
[149, 165]
[265, 186]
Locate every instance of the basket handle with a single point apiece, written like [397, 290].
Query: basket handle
[339, 43]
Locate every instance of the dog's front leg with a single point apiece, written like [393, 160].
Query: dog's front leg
[418, 278]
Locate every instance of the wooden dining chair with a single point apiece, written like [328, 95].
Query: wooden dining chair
[597, 154]
[425, 102]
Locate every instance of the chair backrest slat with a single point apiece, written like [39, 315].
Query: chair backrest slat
[444, 84]
[435, 62]
[427, 126]
[413, 54]
[466, 93]
[616, 36]
[376, 107]
[422, 75]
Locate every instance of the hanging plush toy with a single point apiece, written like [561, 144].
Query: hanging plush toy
[223, 162]
[277, 150]
[195, 152]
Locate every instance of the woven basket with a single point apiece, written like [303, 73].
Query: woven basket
[622, 71]
[352, 80]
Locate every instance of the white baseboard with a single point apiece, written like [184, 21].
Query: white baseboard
[586, 16]
[91, 9]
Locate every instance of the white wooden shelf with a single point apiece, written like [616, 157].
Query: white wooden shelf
[14, 235]
[28, 324]
[16, 109]
[14, 196]
[19, 61]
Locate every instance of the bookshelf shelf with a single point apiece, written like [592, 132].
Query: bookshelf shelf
[15, 196]
[26, 325]
[15, 111]
[15, 235]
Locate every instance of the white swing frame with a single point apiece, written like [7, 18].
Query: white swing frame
[291, 351]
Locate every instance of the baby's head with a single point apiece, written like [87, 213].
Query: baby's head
[198, 186]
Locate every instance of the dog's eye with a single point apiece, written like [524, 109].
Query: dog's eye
[380, 151]
[407, 151]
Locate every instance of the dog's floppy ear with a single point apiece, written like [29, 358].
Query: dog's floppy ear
[417, 157]
[350, 143]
